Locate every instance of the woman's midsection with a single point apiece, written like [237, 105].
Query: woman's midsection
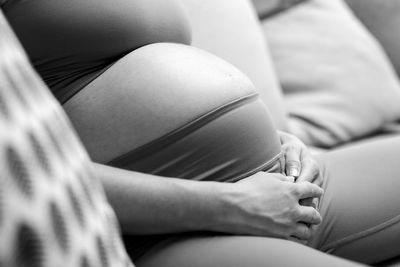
[71, 42]
[174, 110]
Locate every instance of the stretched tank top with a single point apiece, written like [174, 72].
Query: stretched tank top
[71, 42]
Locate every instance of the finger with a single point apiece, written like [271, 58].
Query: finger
[285, 178]
[318, 181]
[310, 171]
[309, 215]
[289, 179]
[302, 232]
[292, 161]
[309, 168]
[307, 189]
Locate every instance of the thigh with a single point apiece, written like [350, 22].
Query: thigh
[227, 251]
[361, 204]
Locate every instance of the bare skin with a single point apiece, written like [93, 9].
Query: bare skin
[264, 204]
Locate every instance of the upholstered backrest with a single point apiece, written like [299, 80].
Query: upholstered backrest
[383, 20]
[53, 211]
[338, 83]
[230, 29]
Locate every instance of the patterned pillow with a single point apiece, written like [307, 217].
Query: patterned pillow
[53, 212]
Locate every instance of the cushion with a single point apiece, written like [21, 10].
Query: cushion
[230, 30]
[53, 211]
[383, 20]
[338, 83]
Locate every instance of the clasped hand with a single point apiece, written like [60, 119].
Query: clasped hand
[272, 204]
[299, 162]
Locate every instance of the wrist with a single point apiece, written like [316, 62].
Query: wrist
[212, 203]
[224, 214]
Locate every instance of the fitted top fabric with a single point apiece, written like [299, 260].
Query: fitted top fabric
[226, 144]
[71, 42]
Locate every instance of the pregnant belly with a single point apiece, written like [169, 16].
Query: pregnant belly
[176, 111]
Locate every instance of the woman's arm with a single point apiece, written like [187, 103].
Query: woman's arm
[148, 204]
[264, 204]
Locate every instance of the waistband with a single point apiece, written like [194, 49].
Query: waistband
[226, 144]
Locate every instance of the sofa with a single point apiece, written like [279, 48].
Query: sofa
[327, 70]
[321, 90]
[323, 74]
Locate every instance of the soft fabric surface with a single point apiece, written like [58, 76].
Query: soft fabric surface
[230, 30]
[337, 81]
[267, 8]
[71, 43]
[53, 211]
[383, 20]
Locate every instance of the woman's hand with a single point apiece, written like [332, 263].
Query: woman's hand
[299, 162]
[267, 204]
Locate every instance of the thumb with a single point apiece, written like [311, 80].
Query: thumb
[292, 162]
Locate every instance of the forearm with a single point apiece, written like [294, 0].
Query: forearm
[148, 204]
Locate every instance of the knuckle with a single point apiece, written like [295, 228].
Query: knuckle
[291, 149]
[306, 186]
[316, 189]
[296, 213]
[295, 189]
[309, 218]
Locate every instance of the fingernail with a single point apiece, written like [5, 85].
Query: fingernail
[290, 179]
[293, 172]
